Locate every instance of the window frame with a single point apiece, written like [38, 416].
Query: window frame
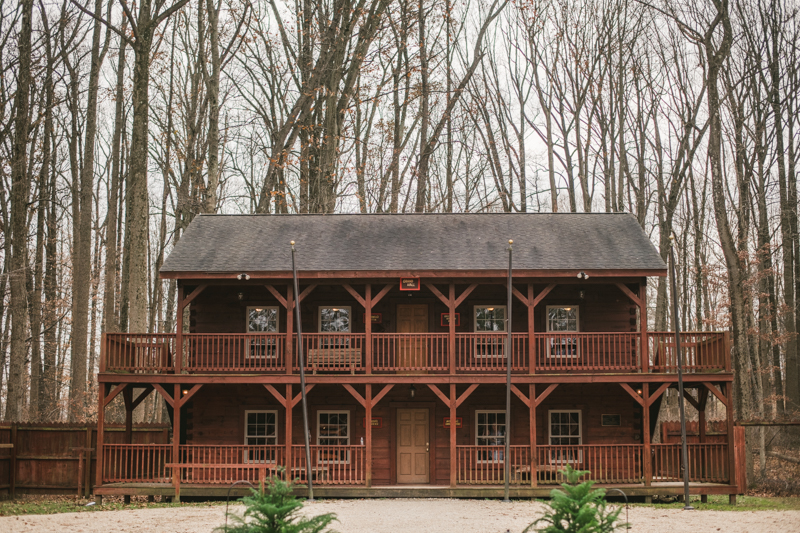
[553, 456]
[494, 348]
[270, 345]
[490, 457]
[551, 342]
[345, 459]
[349, 321]
[266, 460]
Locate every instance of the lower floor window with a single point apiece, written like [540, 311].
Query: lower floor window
[490, 431]
[565, 433]
[260, 431]
[333, 430]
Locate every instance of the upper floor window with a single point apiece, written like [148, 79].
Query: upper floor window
[562, 320]
[334, 319]
[490, 319]
[262, 320]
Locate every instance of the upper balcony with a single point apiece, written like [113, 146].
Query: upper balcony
[410, 353]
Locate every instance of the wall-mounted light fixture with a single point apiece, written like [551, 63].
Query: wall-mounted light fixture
[639, 392]
[185, 392]
[240, 296]
[412, 391]
[583, 275]
[243, 276]
[581, 294]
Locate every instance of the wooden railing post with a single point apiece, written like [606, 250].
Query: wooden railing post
[648, 466]
[644, 351]
[176, 440]
[531, 337]
[101, 412]
[453, 458]
[368, 327]
[288, 405]
[368, 407]
[179, 331]
[103, 352]
[532, 414]
[289, 355]
[452, 340]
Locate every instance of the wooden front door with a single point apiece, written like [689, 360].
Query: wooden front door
[413, 446]
[412, 352]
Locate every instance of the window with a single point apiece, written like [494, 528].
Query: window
[490, 430]
[334, 320]
[333, 429]
[260, 429]
[562, 320]
[262, 320]
[565, 430]
[490, 319]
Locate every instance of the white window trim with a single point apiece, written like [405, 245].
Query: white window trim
[551, 459]
[577, 354]
[320, 460]
[497, 460]
[246, 413]
[495, 351]
[268, 354]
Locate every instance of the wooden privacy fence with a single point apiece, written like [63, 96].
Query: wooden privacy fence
[55, 458]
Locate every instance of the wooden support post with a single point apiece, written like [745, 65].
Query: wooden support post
[127, 396]
[645, 348]
[12, 466]
[289, 408]
[451, 329]
[731, 451]
[87, 474]
[179, 330]
[289, 356]
[532, 421]
[176, 440]
[368, 406]
[648, 466]
[368, 328]
[531, 337]
[101, 412]
[453, 458]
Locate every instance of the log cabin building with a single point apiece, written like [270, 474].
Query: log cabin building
[404, 327]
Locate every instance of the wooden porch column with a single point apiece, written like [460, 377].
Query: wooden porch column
[451, 329]
[289, 355]
[532, 421]
[645, 350]
[368, 334]
[702, 397]
[127, 396]
[288, 438]
[453, 458]
[368, 408]
[647, 466]
[731, 452]
[176, 438]
[101, 416]
[531, 337]
[179, 330]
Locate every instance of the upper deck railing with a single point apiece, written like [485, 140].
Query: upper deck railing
[399, 353]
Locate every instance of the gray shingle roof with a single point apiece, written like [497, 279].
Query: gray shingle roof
[260, 243]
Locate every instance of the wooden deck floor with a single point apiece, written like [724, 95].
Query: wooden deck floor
[403, 491]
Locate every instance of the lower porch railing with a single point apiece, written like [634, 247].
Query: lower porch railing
[346, 465]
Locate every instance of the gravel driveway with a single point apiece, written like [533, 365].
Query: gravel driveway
[393, 516]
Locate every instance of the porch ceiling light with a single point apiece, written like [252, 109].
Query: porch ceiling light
[412, 390]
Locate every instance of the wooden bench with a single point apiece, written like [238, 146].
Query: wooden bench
[525, 470]
[317, 473]
[326, 358]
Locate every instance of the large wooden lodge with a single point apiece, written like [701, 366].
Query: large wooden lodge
[404, 326]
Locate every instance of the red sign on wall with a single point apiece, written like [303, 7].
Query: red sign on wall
[446, 319]
[409, 284]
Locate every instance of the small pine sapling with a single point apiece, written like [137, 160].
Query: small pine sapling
[576, 507]
[275, 510]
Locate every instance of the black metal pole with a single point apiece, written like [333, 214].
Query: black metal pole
[301, 363]
[507, 436]
[676, 321]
